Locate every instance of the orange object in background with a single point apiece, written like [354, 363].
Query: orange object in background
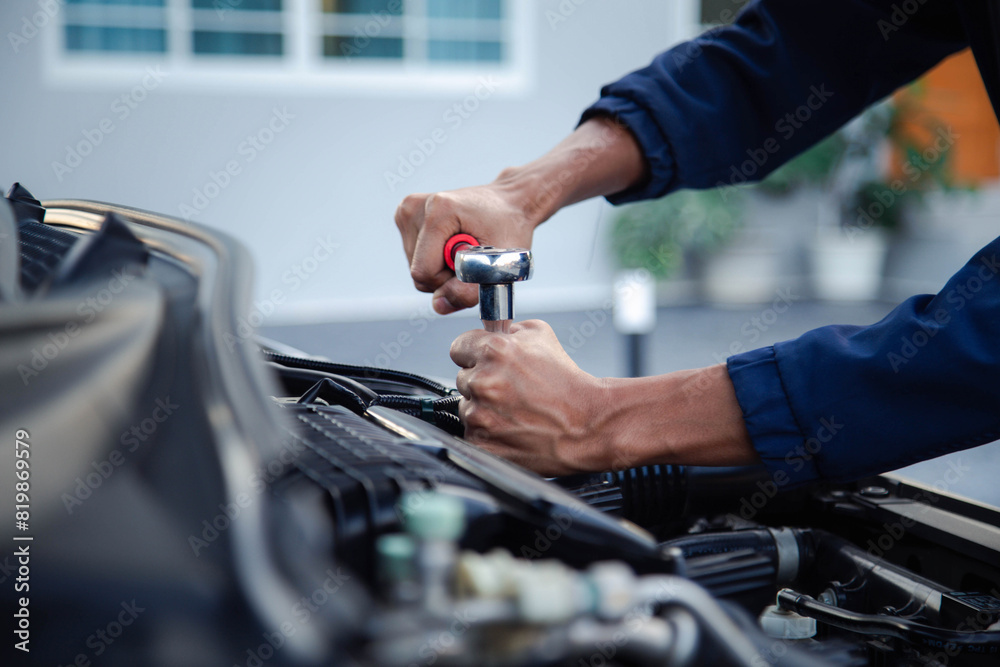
[952, 97]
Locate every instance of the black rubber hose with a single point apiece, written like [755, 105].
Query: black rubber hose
[741, 565]
[909, 631]
[335, 393]
[759, 541]
[398, 402]
[359, 372]
[447, 404]
[439, 413]
[654, 495]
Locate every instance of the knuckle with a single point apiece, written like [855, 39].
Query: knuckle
[475, 386]
[486, 390]
[537, 325]
[407, 212]
[410, 204]
[479, 421]
[496, 348]
[421, 278]
[439, 206]
[476, 433]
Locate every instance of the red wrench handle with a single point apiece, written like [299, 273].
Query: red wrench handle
[456, 243]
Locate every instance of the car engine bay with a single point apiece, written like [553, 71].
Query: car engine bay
[254, 505]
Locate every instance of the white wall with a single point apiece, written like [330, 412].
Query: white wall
[323, 175]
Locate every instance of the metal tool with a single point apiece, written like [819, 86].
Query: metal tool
[495, 270]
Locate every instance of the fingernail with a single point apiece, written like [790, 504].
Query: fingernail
[442, 306]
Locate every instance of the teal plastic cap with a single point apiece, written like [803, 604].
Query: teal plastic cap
[433, 516]
[395, 555]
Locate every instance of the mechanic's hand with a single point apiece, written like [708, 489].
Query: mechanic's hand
[524, 399]
[491, 213]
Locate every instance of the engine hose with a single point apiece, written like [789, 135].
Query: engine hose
[360, 372]
[918, 634]
[345, 391]
[692, 546]
[424, 405]
[655, 495]
[744, 564]
[743, 645]
[447, 404]
[335, 393]
[437, 411]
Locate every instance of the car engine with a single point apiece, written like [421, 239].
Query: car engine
[196, 495]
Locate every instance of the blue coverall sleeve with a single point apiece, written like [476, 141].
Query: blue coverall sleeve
[736, 103]
[842, 402]
[839, 402]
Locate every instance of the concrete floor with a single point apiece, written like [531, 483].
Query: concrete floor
[685, 337]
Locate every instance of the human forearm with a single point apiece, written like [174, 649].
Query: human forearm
[525, 399]
[686, 417]
[599, 158]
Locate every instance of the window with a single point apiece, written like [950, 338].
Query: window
[368, 42]
[433, 30]
[237, 27]
[116, 26]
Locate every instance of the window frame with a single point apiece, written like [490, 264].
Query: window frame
[301, 69]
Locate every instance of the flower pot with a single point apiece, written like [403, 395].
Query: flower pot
[847, 263]
[741, 274]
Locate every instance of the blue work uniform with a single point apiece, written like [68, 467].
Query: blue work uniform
[839, 402]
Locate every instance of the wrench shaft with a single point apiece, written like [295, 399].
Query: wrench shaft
[497, 326]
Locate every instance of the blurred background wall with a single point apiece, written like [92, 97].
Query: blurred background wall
[146, 103]
[298, 125]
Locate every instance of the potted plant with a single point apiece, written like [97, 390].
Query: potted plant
[861, 204]
[666, 236]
